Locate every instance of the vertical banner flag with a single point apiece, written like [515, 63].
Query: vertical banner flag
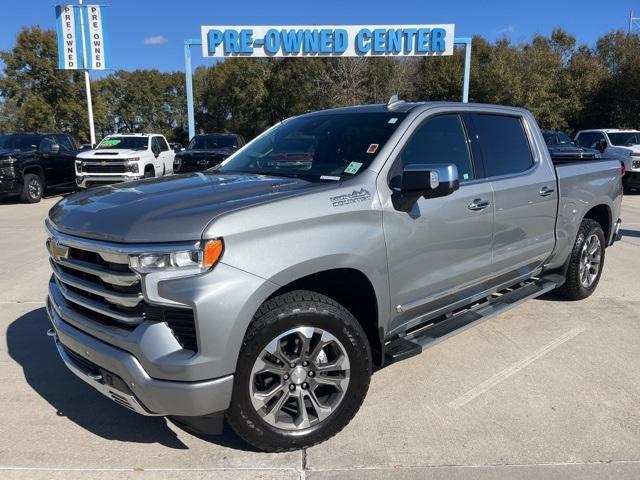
[77, 24]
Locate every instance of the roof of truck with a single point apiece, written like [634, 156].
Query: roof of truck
[405, 107]
[609, 130]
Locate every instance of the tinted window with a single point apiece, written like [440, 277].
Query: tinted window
[66, 144]
[597, 137]
[210, 142]
[46, 143]
[163, 144]
[318, 147]
[584, 139]
[19, 141]
[440, 139]
[625, 138]
[503, 143]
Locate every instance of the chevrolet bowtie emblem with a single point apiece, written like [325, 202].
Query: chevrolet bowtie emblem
[57, 250]
[103, 163]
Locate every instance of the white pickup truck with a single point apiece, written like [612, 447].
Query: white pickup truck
[121, 158]
[623, 145]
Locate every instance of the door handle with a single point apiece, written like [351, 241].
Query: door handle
[479, 204]
[546, 191]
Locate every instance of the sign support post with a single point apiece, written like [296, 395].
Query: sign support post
[87, 84]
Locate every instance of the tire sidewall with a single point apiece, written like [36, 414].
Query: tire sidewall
[360, 371]
[585, 232]
[26, 193]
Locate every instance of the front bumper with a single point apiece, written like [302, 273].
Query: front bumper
[631, 179]
[87, 181]
[10, 186]
[118, 375]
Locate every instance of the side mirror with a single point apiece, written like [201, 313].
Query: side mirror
[49, 147]
[422, 180]
[602, 145]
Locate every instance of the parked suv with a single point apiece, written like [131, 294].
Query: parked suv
[31, 163]
[121, 158]
[623, 145]
[267, 291]
[206, 151]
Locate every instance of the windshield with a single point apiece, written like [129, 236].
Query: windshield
[210, 142]
[326, 146]
[19, 142]
[625, 138]
[126, 143]
[557, 138]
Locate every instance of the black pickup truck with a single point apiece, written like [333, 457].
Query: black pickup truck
[31, 163]
[206, 151]
[562, 148]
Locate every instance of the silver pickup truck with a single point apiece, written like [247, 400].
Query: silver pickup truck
[268, 290]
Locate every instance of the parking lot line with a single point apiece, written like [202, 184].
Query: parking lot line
[512, 369]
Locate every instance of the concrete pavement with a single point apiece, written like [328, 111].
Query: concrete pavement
[548, 390]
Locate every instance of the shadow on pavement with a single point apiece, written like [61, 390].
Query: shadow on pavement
[29, 346]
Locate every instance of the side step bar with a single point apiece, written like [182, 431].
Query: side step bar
[424, 336]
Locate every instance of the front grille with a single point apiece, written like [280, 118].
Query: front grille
[100, 285]
[108, 168]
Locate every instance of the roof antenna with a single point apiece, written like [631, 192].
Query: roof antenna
[394, 101]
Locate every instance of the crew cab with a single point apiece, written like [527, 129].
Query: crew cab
[32, 163]
[561, 147]
[266, 292]
[206, 151]
[623, 145]
[124, 157]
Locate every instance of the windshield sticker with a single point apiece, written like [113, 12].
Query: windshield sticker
[353, 168]
[110, 142]
[356, 196]
[329, 177]
[373, 148]
[393, 120]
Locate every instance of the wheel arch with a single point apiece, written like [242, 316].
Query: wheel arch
[353, 290]
[602, 214]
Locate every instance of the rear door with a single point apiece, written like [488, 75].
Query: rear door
[525, 193]
[66, 159]
[443, 245]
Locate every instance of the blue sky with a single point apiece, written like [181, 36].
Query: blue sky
[149, 34]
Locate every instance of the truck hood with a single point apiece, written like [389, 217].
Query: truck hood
[110, 153]
[4, 153]
[166, 209]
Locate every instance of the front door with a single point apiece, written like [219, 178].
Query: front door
[443, 245]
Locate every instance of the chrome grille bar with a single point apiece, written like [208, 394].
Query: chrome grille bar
[123, 279]
[98, 307]
[124, 299]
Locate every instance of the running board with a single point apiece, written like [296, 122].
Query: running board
[421, 337]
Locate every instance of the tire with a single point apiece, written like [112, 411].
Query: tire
[149, 172]
[310, 313]
[575, 287]
[33, 188]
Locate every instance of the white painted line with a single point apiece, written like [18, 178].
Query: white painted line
[491, 382]
[20, 302]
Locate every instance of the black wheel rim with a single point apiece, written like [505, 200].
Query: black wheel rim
[34, 188]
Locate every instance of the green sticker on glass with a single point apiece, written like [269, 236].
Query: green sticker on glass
[353, 168]
[110, 142]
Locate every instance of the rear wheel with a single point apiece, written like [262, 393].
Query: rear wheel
[302, 374]
[586, 261]
[32, 189]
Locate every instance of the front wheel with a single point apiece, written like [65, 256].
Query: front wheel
[585, 262]
[33, 188]
[302, 374]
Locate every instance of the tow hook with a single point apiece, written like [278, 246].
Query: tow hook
[51, 333]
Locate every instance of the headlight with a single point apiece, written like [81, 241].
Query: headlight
[201, 258]
[7, 162]
[78, 167]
